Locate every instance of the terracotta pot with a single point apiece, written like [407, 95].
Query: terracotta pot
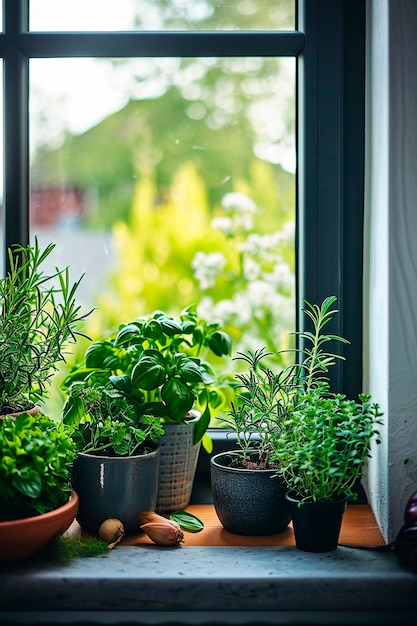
[24, 537]
[32, 411]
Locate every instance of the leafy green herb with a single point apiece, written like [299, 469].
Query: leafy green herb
[322, 446]
[265, 399]
[105, 418]
[187, 521]
[36, 455]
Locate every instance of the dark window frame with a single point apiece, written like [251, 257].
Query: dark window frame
[329, 44]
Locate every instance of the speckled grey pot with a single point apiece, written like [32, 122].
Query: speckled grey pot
[110, 486]
[247, 501]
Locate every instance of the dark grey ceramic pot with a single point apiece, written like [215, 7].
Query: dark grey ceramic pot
[119, 487]
[247, 501]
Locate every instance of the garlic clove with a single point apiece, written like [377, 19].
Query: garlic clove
[164, 533]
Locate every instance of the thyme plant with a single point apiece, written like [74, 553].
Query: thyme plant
[321, 448]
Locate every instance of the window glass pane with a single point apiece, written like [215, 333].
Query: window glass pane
[161, 14]
[170, 182]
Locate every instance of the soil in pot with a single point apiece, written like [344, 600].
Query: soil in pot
[248, 501]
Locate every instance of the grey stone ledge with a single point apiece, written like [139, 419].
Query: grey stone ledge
[154, 585]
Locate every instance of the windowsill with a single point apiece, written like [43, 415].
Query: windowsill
[217, 584]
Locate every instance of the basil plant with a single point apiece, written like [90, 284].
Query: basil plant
[164, 362]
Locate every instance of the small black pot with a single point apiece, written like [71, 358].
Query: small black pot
[317, 525]
[247, 501]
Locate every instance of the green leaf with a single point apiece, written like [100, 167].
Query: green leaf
[73, 411]
[207, 443]
[207, 373]
[220, 343]
[189, 369]
[30, 485]
[200, 427]
[127, 335]
[187, 521]
[122, 383]
[96, 353]
[170, 327]
[149, 371]
[178, 397]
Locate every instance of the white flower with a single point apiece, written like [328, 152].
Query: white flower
[207, 267]
[238, 202]
[224, 224]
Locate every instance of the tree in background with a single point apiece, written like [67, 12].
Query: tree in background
[228, 261]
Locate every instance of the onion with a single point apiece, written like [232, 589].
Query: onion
[111, 531]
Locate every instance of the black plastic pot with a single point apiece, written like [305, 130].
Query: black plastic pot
[316, 525]
[247, 501]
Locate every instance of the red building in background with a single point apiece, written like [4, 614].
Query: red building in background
[51, 206]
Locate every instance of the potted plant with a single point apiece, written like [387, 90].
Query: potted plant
[246, 499]
[321, 450]
[165, 361]
[38, 318]
[36, 455]
[116, 468]
[266, 403]
[322, 444]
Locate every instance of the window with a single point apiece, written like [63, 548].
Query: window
[327, 45]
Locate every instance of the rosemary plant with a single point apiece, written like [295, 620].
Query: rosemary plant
[264, 400]
[38, 318]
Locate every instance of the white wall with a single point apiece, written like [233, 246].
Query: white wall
[390, 279]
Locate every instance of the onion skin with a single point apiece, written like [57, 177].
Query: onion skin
[163, 534]
[162, 531]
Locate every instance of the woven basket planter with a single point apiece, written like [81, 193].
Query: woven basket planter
[178, 457]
